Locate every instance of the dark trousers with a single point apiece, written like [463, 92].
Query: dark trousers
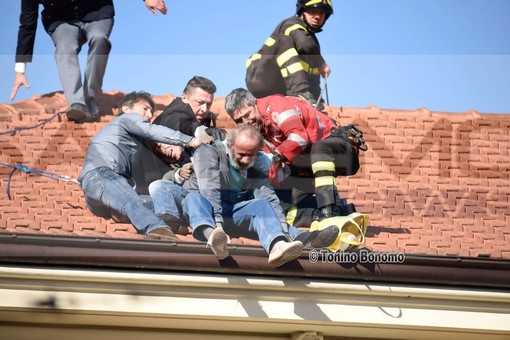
[312, 183]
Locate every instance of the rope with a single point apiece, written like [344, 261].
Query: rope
[27, 170]
[13, 131]
[323, 89]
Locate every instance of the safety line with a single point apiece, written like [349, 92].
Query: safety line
[27, 170]
[13, 131]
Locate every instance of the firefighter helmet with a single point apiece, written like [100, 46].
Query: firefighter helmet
[325, 5]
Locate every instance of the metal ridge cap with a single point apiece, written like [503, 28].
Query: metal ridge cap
[246, 259]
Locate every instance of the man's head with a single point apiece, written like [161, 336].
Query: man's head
[243, 144]
[199, 95]
[314, 12]
[240, 106]
[170, 154]
[138, 102]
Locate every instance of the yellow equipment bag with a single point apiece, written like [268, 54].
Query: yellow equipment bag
[352, 227]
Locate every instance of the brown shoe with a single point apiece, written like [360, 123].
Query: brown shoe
[162, 233]
[175, 223]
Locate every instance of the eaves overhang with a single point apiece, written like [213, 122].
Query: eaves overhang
[141, 254]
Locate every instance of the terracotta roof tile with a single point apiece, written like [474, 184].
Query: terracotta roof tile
[433, 183]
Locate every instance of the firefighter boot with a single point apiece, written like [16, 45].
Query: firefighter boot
[328, 211]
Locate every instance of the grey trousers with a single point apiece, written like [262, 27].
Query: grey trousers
[68, 39]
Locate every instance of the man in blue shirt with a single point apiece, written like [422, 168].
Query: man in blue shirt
[111, 155]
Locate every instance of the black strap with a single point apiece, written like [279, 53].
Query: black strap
[352, 134]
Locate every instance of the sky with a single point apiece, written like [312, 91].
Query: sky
[443, 55]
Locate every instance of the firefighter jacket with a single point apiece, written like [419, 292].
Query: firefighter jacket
[288, 62]
[291, 124]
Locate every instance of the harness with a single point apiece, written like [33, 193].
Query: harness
[351, 134]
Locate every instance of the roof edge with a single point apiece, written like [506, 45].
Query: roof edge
[93, 252]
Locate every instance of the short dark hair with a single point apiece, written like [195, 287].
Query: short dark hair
[135, 97]
[200, 82]
[237, 99]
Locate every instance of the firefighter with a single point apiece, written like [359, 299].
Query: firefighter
[290, 61]
[307, 141]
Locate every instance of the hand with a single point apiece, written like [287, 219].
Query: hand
[19, 79]
[186, 171]
[154, 5]
[324, 70]
[274, 170]
[195, 142]
[216, 133]
[201, 137]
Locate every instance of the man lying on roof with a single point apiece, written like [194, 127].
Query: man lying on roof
[106, 178]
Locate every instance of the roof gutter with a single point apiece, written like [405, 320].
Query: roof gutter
[189, 256]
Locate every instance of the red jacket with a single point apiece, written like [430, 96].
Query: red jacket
[291, 124]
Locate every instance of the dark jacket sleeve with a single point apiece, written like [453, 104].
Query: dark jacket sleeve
[179, 122]
[27, 29]
[178, 116]
[307, 45]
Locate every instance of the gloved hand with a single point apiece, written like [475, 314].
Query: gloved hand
[274, 170]
[319, 106]
[308, 96]
[216, 133]
[201, 137]
[277, 169]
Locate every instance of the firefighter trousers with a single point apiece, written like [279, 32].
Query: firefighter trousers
[314, 172]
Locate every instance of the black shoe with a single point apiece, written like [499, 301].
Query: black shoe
[347, 209]
[325, 237]
[162, 233]
[319, 238]
[79, 113]
[177, 225]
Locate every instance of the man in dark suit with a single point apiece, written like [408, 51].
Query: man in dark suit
[71, 24]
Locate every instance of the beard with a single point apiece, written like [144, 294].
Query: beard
[238, 165]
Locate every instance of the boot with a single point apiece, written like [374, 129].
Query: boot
[328, 211]
[346, 208]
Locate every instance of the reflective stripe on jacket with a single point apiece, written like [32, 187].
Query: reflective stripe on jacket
[292, 124]
[288, 62]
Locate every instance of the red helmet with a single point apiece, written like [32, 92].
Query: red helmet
[324, 5]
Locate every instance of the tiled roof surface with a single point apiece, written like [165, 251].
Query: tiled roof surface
[432, 183]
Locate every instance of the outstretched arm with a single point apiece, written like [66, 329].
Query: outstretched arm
[156, 5]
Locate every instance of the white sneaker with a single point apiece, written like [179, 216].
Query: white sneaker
[218, 243]
[284, 252]
[350, 237]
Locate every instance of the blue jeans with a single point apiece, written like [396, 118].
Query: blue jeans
[251, 218]
[105, 190]
[166, 197]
